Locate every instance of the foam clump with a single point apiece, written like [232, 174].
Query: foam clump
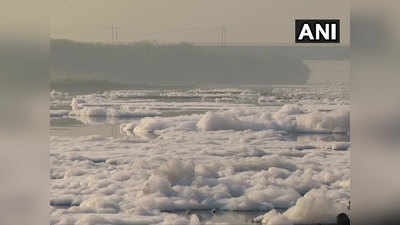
[92, 220]
[177, 172]
[268, 100]
[194, 220]
[90, 112]
[179, 185]
[57, 95]
[294, 119]
[176, 220]
[288, 109]
[275, 218]
[339, 146]
[77, 103]
[290, 118]
[236, 157]
[324, 122]
[127, 128]
[97, 204]
[85, 108]
[157, 184]
[213, 121]
[111, 112]
[149, 125]
[108, 220]
[210, 171]
[314, 207]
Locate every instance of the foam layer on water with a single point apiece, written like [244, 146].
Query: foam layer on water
[136, 177]
[290, 118]
[229, 153]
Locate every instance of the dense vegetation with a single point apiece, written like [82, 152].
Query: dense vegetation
[151, 63]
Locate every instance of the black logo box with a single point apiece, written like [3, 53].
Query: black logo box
[312, 23]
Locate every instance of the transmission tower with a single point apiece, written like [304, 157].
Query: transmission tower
[222, 35]
[115, 33]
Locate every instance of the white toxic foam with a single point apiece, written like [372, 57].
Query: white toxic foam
[290, 118]
[212, 121]
[315, 207]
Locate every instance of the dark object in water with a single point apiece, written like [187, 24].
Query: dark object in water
[342, 219]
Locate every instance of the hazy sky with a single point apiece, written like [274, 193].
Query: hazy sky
[260, 21]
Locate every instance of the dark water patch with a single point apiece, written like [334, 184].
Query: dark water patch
[97, 160]
[74, 128]
[337, 137]
[65, 122]
[229, 217]
[63, 203]
[221, 216]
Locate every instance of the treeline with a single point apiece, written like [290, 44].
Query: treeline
[151, 63]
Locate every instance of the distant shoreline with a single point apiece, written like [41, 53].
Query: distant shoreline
[153, 63]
